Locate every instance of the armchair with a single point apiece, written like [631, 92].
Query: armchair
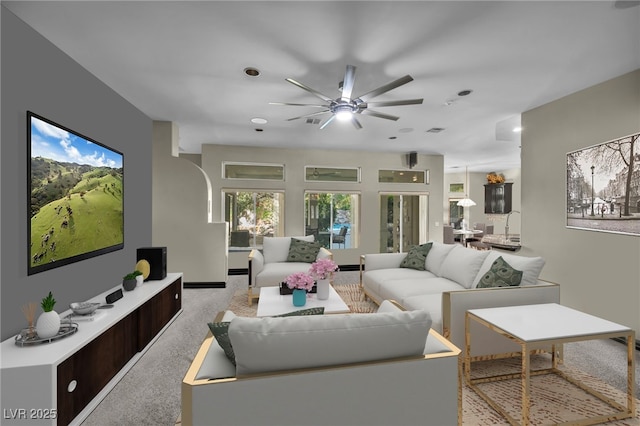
[270, 267]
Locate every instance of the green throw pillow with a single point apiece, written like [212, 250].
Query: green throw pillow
[416, 257]
[303, 251]
[501, 274]
[302, 312]
[220, 330]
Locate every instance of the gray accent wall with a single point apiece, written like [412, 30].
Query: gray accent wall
[39, 77]
[598, 272]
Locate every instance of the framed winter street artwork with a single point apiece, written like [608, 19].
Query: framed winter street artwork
[603, 187]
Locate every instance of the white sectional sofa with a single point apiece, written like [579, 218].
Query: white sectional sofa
[346, 369]
[447, 288]
[270, 267]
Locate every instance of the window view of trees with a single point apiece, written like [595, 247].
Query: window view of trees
[332, 218]
[252, 216]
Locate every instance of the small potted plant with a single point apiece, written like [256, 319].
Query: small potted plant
[129, 281]
[48, 323]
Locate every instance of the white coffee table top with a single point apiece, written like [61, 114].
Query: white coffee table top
[271, 302]
[531, 323]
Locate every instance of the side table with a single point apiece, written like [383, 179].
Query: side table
[537, 326]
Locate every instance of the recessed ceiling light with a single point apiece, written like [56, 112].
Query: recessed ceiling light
[464, 92]
[393, 137]
[259, 130]
[259, 120]
[435, 130]
[252, 72]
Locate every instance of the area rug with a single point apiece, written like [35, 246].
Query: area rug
[554, 400]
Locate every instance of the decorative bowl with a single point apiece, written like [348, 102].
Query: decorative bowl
[84, 308]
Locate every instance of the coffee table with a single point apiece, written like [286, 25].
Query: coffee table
[536, 327]
[271, 302]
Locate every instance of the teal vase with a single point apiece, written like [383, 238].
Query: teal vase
[299, 297]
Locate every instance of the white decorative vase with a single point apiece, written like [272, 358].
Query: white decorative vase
[323, 289]
[48, 324]
[139, 280]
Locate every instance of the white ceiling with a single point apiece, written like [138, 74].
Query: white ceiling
[183, 62]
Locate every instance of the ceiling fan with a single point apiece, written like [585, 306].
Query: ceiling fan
[346, 106]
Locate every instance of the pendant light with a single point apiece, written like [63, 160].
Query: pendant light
[466, 201]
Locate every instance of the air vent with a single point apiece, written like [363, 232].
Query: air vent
[435, 130]
[313, 121]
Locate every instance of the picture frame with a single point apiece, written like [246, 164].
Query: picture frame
[603, 187]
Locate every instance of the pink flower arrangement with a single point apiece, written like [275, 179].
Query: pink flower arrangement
[323, 268]
[300, 280]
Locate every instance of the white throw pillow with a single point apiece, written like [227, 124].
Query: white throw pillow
[436, 256]
[276, 249]
[273, 344]
[462, 265]
[530, 267]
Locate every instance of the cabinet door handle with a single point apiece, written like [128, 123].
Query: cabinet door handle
[72, 386]
[177, 297]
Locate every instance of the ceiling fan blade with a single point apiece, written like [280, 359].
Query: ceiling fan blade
[329, 120]
[383, 89]
[290, 104]
[395, 103]
[379, 114]
[356, 123]
[348, 82]
[309, 89]
[308, 115]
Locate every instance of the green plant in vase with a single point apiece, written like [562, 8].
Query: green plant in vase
[48, 324]
[129, 281]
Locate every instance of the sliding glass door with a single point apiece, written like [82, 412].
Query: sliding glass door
[404, 221]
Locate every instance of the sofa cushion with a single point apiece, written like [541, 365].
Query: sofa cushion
[501, 274]
[373, 279]
[272, 344]
[276, 249]
[416, 257]
[399, 290]
[275, 273]
[462, 265]
[431, 303]
[220, 330]
[436, 256]
[303, 251]
[530, 267]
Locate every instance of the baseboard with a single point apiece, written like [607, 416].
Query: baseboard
[201, 284]
[624, 342]
[245, 271]
[349, 268]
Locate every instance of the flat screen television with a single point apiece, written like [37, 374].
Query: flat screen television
[76, 196]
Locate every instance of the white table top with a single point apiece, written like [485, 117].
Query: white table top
[550, 321]
[271, 302]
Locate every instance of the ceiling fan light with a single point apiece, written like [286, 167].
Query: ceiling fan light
[344, 115]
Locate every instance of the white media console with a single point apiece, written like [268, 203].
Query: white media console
[61, 382]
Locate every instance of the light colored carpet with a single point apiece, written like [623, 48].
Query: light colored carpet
[149, 394]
